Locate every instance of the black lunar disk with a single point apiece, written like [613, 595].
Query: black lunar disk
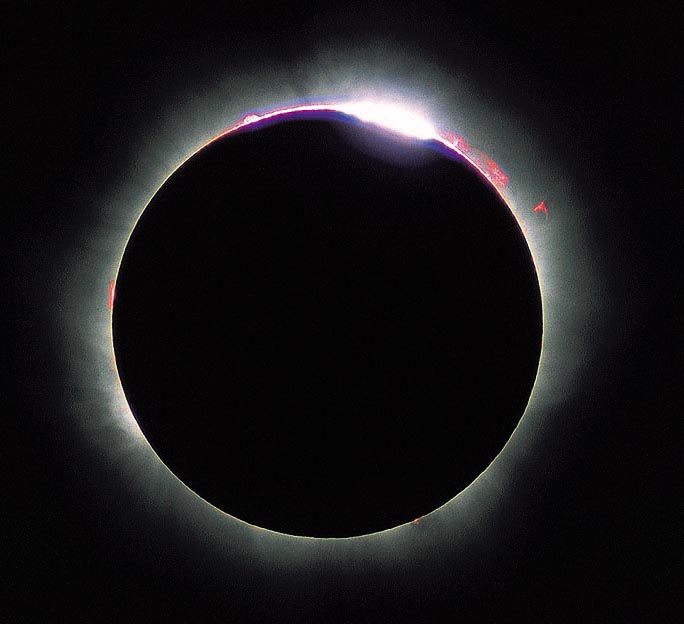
[326, 330]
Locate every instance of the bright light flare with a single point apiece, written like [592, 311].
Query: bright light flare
[391, 117]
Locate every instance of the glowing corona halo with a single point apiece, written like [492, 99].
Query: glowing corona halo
[570, 280]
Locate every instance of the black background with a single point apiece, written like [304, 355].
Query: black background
[595, 539]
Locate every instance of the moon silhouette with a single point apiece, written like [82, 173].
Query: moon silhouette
[325, 339]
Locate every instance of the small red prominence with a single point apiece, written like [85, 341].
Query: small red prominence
[112, 293]
[417, 520]
[495, 174]
[457, 141]
[541, 207]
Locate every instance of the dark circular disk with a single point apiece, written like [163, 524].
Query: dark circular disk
[323, 339]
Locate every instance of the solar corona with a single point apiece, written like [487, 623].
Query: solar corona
[396, 108]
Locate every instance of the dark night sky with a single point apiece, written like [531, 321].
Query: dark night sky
[587, 531]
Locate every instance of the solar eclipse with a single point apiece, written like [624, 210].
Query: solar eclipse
[360, 348]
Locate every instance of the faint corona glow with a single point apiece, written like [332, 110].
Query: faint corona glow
[390, 89]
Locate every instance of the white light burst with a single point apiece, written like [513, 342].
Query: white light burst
[390, 117]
